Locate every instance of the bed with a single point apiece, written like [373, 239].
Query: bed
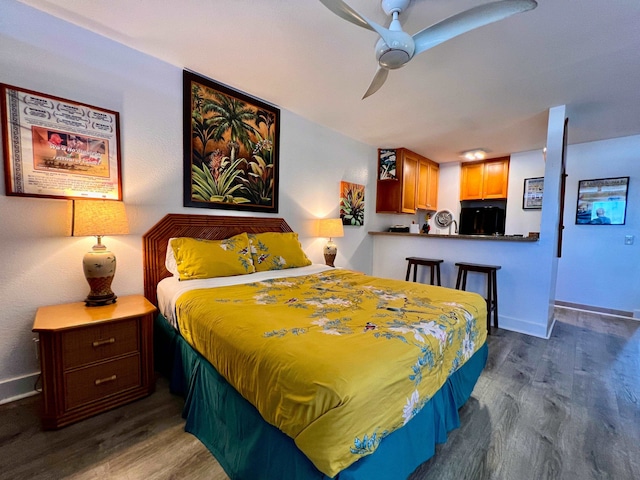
[339, 375]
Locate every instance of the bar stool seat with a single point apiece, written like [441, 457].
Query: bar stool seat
[492, 286]
[433, 264]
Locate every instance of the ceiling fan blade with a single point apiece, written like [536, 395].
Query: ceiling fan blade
[469, 20]
[378, 80]
[347, 13]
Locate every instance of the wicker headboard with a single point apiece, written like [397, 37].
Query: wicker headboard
[154, 242]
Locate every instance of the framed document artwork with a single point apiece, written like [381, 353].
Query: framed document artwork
[59, 148]
[532, 195]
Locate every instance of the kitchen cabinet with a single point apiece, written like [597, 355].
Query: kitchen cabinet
[484, 180]
[406, 181]
[428, 173]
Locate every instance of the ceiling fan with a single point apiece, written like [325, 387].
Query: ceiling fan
[396, 47]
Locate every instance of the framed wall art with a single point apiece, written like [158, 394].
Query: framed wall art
[532, 194]
[387, 164]
[59, 148]
[352, 204]
[602, 201]
[231, 145]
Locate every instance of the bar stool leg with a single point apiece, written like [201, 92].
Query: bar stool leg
[415, 272]
[459, 278]
[494, 278]
[438, 274]
[408, 271]
[432, 275]
[489, 302]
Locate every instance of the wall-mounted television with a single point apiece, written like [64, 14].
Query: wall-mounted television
[602, 201]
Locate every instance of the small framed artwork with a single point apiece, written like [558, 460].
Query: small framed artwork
[352, 204]
[602, 201]
[231, 148]
[532, 194]
[387, 164]
[58, 148]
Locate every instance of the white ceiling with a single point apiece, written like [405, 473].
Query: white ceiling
[489, 88]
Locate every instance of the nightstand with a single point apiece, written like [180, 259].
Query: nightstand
[94, 358]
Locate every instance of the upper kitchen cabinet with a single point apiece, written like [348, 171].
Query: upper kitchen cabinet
[406, 181]
[484, 180]
[428, 172]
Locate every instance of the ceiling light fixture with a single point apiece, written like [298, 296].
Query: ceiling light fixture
[476, 154]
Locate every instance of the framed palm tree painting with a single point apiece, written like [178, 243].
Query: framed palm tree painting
[231, 144]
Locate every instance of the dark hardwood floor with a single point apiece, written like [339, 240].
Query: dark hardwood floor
[564, 408]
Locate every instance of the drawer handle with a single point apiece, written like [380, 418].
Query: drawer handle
[105, 380]
[99, 343]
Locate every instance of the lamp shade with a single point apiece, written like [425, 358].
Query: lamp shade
[98, 218]
[330, 227]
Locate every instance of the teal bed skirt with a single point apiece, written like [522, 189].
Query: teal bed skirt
[248, 448]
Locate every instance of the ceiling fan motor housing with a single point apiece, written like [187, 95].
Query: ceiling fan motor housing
[398, 52]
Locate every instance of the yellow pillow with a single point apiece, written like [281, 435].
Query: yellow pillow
[277, 251]
[198, 258]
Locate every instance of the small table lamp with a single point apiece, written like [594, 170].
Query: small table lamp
[99, 218]
[330, 227]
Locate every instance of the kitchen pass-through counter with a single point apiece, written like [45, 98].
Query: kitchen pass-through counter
[454, 236]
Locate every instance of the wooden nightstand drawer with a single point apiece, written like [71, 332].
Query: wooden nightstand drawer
[88, 384]
[91, 344]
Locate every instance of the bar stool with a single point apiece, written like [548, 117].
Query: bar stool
[427, 262]
[492, 286]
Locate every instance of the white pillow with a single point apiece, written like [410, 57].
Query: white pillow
[170, 260]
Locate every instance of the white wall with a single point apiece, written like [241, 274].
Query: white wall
[42, 266]
[596, 267]
[522, 165]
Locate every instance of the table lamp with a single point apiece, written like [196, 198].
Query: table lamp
[330, 227]
[99, 218]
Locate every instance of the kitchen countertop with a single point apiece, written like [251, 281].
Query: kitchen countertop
[499, 238]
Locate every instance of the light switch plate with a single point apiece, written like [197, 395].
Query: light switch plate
[628, 239]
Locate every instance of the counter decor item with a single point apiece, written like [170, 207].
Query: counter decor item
[426, 227]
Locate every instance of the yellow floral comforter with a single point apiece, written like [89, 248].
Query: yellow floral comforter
[336, 360]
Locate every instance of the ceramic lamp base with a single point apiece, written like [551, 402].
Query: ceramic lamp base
[329, 258]
[99, 269]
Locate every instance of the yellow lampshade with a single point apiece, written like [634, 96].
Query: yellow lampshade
[98, 218]
[330, 227]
